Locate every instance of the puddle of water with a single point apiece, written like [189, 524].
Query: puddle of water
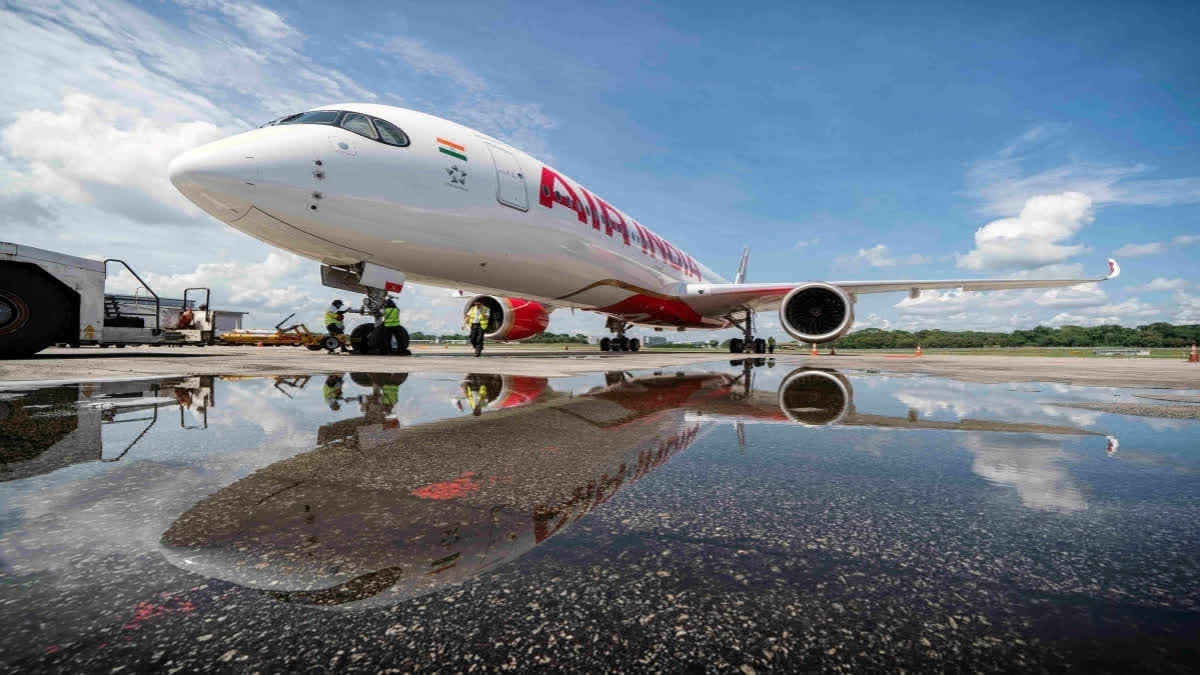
[927, 519]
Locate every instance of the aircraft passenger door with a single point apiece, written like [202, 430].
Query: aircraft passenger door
[510, 182]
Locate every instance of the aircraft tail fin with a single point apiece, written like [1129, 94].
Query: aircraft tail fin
[742, 264]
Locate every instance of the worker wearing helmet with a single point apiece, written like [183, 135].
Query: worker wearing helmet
[335, 322]
[477, 320]
[391, 328]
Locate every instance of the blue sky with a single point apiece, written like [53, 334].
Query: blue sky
[924, 140]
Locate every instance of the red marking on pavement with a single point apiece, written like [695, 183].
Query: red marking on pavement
[451, 489]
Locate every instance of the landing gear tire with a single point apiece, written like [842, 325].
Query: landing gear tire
[736, 346]
[32, 313]
[402, 339]
[606, 344]
[359, 338]
[760, 346]
[621, 344]
[635, 345]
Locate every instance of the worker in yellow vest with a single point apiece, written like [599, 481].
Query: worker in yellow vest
[391, 328]
[335, 322]
[477, 320]
[477, 398]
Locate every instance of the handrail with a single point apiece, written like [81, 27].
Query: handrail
[139, 436]
[157, 302]
[207, 297]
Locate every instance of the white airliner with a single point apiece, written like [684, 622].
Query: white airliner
[380, 195]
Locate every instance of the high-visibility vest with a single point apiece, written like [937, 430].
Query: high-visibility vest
[390, 394]
[331, 316]
[477, 397]
[391, 316]
[478, 315]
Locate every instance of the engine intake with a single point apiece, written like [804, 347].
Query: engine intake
[815, 397]
[512, 318]
[816, 312]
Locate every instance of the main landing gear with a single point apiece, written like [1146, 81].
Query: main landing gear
[369, 338]
[620, 343]
[748, 343]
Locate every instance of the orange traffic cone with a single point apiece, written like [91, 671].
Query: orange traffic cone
[814, 349]
[1193, 357]
[918, 350]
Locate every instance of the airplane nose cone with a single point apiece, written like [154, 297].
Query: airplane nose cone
[218, 177]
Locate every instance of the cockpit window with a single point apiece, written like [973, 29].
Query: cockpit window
[371, 127]
[360, 125]
[312, 117]
[390, 133]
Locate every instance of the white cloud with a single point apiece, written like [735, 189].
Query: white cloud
[879, 256]
[1164, 284]
[1185, 239]
[1135, 250]
[1086, 295]
[1034, 237]
[1128, 312]
[104, 153]
[1002, 184]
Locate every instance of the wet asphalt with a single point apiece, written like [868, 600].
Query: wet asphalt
[629, 522]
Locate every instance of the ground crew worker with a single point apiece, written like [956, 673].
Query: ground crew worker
[185, 318]
[477, 398]
[335, 322]
[391, 327]
[390, 395]
[477, 319]
[331, 391]
[771, 345]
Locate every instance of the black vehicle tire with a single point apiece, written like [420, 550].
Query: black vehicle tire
[360, 337]
[32, 311]
[736, 346]
[314, 348]
[330, 343]
[605, 344]
[635, 345]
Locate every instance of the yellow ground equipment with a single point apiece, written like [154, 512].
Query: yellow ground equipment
[294, 335]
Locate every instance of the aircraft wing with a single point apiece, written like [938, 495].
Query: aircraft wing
[713, 299]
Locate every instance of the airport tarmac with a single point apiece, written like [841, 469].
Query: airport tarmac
[75, 365]
[714, 516]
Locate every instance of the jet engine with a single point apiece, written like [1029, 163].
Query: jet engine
[816, 312]
[815, 397]
[512, 318]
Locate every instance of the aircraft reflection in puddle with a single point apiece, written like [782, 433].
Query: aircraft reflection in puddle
[379, 513]
[53, 427]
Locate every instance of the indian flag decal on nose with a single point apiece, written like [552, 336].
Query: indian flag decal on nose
[453, 149]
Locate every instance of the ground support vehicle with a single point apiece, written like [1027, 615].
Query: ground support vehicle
[296, 335]
[49, 298]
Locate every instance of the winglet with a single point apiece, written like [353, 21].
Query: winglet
[1114, 270]
[742, 264]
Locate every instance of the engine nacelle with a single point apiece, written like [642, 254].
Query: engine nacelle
[815, 397]
[512, 318]
[816, 312]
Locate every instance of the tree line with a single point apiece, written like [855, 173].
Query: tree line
[1149, 335]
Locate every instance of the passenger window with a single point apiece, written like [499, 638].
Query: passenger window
[360, 125]
[389, 133]
[312, 117]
